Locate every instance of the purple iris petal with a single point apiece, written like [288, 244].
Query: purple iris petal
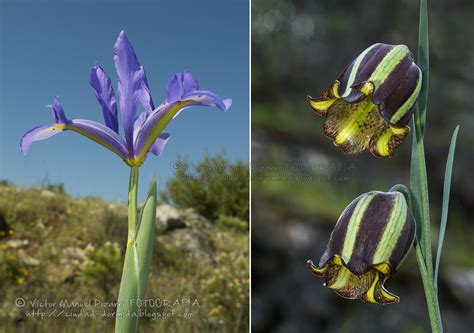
[202, 97]
[130, 82]
[140, 119]
[36, 134]
[104, 92]
[180, 84]
[100, 134]
[160, 144]
[145, 96]
[58, 112]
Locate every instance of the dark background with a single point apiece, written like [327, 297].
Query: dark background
[301, 182]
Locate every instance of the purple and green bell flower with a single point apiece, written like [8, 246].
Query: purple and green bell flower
[370, 240]
[371, 102]
[143, 133]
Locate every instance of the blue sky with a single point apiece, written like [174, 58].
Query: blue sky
[47, 49]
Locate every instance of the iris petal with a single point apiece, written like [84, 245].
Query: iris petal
[160, 143]
[36, 134]
[180, 85]
[130, 84]
[104, 93]
[100, 134]
[58, 112]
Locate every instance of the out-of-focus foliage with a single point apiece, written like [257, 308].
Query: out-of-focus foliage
[212, 187]
[226, 289]
[232, 222]
[103, 266]
[301, 182]
[57, 248]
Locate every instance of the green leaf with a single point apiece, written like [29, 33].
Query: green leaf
[145, 237]
[446, 191]
[419, 189]
[127, 310]
[137, 262]
[424, 64]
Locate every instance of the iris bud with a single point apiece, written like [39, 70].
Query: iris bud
[370, 240]
[371, 102]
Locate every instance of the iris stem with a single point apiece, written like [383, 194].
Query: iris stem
[132, 202]
[431, 292]
[128, 312]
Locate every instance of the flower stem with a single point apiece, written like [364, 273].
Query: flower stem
[132, 202]
[128, 312]
[431, 292]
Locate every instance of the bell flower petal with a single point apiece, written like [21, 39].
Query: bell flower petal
[371, 102]
[104, 93]
[369, 241]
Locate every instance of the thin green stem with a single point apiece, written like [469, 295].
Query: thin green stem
[132, 202]
[424, 203]
[431, 293]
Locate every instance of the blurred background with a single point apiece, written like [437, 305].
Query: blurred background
[63, 213]
[301, 182]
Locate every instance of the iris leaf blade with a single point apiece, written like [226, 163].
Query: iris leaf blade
[445, 206]
[145, 237]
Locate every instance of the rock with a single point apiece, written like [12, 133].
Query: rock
[48, 194]
[26, 259]
[175, 224]
[164, 213]
[72, 256]
[193, 241]
[17, 243]
[185, 230]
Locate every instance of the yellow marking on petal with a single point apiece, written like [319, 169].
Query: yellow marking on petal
[383, 141]
[321, 105]
[338, 261]
[367, 88]
[335, 89]
[343, 278]
[316, 270]
[370, 294]
[383, 268]
[58, 127]
[351, 126]
[355, 69]
[158, 127]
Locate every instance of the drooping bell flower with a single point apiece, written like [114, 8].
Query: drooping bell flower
[143, 132]
[370, 240]
[371, 102]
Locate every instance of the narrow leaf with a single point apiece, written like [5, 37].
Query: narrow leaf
[127, 310]
[424, 63]
[419, 188]
[145, 238]
[446, 191]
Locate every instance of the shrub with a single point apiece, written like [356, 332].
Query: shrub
[232, 223]
[213, 187]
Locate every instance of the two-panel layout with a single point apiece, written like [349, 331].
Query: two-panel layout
[236, 166]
